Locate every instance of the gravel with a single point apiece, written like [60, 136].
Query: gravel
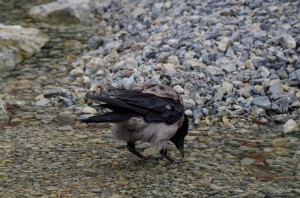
[201, 47]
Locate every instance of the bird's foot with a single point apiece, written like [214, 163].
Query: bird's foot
[164, 153]
[131, 148]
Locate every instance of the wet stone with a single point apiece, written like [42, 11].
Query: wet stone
[65, 128]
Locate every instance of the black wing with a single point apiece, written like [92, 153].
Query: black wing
[108, 117]
[135, 103]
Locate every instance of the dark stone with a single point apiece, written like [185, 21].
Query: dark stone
[95, 42]
[265, 26]
[256, 92]
[276, 66]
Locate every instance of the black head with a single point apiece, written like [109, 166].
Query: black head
[178, 138]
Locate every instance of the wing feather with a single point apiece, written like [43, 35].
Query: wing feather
[134, 102]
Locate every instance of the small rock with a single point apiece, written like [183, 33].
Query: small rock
[213, 70]
[290, 126]
[173, 43]
[95, 41]
[264, 72]
[64, 11]
[89, 110]
[298, 95]
[150, 151]
[178, 89]
[247, 161]
[190, 138]
[169, 68]
[262, 101]
[225, 64]
[65, 128]
[279, 142]
[189, 103]
[276, 88]
[18, 43]
[287, 41]
[81, 136]
[128, 82]
[42, 102]
[227, 87]
[282, 73]
[223, 45]
[188, 112]
[249, 65]
[96, 190]
[173, 60]
[77, 71]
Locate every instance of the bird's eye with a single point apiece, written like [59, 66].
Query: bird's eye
[168, 107]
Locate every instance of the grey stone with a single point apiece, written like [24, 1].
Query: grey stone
[95, 41]
[173, 60]
[282, 73]
[173, 42]
[276, 88]
[18, 43]
[227, 87]
[257, 112]
[178, 89]
[214, 70]
[291, 126]
[189, 103]
[225, 64]
[262, 101]
[65, 128]
[247, 161]
[218, 94]
[257, 61]
[264, 72]
[64, 12]
[128, 82]
[223, 44]
[286, 40]
[42, 102]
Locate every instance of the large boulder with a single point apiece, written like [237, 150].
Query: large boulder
[18, 43]
[64, 12]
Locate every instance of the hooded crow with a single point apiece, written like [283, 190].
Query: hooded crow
[149, 112]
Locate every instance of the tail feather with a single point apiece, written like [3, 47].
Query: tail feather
[108, 100]
[108, 117]
[114, 103]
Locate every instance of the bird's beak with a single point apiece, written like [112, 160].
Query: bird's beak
[181, 150]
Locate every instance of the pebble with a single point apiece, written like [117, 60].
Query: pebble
[42, 102]
[247, 161]
[262, 101]
[88, 110]
[279, 142]
[223, 44]
[291, 126]
[264, 72]
[286, 40]
[178, 89]
[65, 128]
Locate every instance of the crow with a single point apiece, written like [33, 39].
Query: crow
[149, 112]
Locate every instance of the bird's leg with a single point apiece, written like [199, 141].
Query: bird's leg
[131, 148]
[164, 153]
